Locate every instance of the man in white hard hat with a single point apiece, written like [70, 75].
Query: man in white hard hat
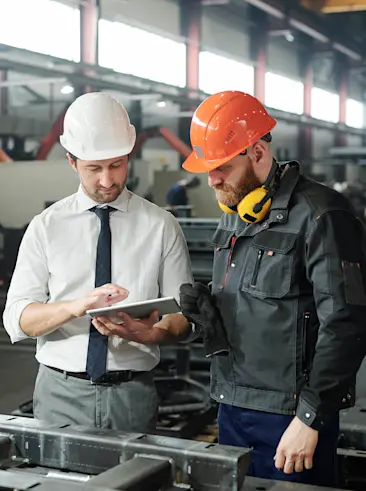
[90, 249]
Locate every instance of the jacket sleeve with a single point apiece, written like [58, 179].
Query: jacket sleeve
[336, 268]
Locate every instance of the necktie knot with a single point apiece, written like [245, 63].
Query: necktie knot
[103, 212]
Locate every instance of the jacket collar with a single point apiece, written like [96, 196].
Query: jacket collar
[288, 183]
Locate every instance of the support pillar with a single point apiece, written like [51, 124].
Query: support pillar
[258, 44]
[305, 133]
[89, 19]
[190, 30]
[4, 94]
[341, 68]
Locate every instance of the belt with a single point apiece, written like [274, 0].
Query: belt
[108, 378]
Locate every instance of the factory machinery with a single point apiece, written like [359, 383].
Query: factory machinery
[40, 457]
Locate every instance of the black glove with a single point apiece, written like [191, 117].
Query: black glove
[199, 306]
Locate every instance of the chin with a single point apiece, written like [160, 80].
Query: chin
[225, 199]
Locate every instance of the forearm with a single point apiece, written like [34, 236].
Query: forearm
[39, 319]
[171, 329]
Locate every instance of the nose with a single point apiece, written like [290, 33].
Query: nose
[214, 178]
[106, 179]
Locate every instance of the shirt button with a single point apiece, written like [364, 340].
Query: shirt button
[233, 265]
[264, 224]
[221, 396]
[279, 216]
[307, 415]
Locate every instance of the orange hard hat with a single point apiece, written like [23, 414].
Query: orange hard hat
[223, 126]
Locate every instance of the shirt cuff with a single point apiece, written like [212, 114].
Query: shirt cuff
[12, 320]
[308, 415]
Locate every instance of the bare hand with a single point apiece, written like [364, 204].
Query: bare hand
[99, 297]
[138, 331]
[296, 448]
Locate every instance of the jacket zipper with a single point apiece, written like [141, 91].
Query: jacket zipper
[305, 326]
[233, 239]
[256, 268]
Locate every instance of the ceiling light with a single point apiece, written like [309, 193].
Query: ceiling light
[161, 104]
[67, 89]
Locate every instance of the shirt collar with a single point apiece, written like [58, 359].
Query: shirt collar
[85, 203]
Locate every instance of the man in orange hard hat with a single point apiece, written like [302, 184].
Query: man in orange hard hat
[284, 320]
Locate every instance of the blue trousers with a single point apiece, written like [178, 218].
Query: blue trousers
[262, 433]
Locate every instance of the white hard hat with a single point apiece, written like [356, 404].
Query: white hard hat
[97, 127]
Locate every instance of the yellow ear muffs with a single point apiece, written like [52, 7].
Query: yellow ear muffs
[255, 206]
[226, 209]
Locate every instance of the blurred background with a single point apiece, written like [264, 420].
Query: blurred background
[304, 59]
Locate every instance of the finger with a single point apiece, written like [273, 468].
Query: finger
[107, 323]
[188, 290]
[289, 466]
[114, 298]
[299, 465]
[279, 460]
[100, 327]
[154, 317]
[308, 462]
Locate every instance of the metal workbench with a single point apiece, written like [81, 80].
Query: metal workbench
[48, 458]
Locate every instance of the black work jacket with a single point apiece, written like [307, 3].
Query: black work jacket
[291, 291]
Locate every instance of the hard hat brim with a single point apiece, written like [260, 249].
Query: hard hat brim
[200, 166]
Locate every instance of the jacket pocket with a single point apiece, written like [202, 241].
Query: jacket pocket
[269, 265]
[223, 241]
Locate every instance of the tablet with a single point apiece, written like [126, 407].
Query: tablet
[139, 310]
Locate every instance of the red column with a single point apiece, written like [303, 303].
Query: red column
[190, 30]
[4, 94]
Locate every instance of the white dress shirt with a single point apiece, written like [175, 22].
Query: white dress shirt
[56, 262]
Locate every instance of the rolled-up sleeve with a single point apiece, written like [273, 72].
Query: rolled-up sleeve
[175, 268]
[29, 283]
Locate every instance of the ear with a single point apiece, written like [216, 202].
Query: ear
[71, 162]
[259, 151]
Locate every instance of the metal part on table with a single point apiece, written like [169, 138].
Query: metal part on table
[10, 481]
[94, 451]
[255, 484]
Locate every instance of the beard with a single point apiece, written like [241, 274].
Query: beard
[101, 195]
[230, 195]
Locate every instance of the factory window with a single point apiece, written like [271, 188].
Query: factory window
[354, 113]
[133, 51]
[284, 94]
[324, 105]
[39, 25]
[217, 73]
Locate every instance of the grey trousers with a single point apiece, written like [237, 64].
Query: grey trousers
[130, 406]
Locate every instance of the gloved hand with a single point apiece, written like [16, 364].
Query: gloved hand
[199, 306]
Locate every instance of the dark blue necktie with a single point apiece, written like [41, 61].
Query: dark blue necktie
[96, 363]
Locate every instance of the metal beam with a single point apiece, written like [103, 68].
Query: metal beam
[106, 79]
[308, 24]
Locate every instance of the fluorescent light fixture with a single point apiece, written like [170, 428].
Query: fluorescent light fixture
[67, 89]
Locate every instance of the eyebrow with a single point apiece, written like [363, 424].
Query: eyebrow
[97, 165]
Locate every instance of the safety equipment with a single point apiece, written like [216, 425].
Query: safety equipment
[255, 206]
[223, 126]
[199, 307]
[97, 127]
